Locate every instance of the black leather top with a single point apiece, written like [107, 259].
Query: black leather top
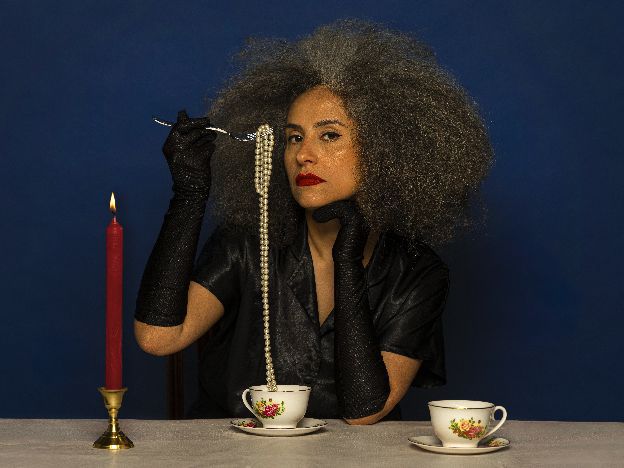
[407, 293]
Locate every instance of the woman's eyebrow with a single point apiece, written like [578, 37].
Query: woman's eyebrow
[320, 123]
[299, 128]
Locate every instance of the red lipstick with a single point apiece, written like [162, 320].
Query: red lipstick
[304, 180]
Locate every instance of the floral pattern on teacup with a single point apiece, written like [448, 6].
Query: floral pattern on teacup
[467, 428]
[268, 410]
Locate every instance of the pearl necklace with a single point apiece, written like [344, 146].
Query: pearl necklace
[264, 150]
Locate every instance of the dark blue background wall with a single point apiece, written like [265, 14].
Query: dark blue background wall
[535, 315]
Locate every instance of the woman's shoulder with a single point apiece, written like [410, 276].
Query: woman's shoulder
[231, 243]
[405, 269]
[233, 234]
[415, 258]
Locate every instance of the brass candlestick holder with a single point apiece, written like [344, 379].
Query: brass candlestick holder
[113, 438]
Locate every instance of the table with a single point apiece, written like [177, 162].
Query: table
[68, 443]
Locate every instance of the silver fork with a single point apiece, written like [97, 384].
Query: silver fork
[235, 136]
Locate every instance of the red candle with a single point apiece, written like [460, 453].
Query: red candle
[114, 270]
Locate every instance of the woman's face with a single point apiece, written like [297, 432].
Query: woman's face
[321, 155]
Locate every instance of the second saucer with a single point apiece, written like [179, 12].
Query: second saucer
[433, 444]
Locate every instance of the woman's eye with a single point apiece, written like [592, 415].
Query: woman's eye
[330, 136]
[294, 139]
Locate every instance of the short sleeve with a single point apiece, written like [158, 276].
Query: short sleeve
[415, 330]
[220, 265]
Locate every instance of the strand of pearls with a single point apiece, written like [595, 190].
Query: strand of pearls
[264, 150]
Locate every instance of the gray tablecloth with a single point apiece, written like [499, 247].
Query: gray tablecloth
[68, 443]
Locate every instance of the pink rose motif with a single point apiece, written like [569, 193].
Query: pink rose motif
[473, 432]
[270, 411]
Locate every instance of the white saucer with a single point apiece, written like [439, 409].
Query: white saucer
[305, 426]
[433, 444]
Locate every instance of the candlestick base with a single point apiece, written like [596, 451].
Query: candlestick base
[113, 438]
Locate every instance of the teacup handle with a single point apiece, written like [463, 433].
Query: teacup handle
[246, 403]
[500, 423]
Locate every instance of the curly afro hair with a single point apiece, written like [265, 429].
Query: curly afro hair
[423, 147]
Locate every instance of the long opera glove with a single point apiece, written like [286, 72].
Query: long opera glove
[163, 294]
[361, 378]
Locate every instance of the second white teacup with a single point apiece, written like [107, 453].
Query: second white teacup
[282, 409]
[463, 423]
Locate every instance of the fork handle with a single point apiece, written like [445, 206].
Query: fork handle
[166, 123]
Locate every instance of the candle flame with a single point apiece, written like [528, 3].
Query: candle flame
[112, 203]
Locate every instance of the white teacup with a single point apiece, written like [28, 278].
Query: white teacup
[463, 423]
[282, 409]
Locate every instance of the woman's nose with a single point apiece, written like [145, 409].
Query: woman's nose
[306, 153]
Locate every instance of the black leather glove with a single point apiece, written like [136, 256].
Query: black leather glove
[163, 294]
[361, 378]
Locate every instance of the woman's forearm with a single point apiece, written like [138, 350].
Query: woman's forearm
[361, 377]
[163, 294]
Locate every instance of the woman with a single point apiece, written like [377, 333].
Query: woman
[381, 152]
